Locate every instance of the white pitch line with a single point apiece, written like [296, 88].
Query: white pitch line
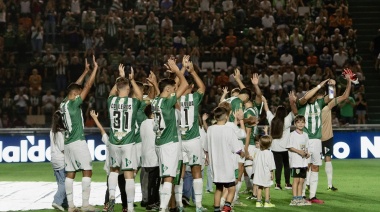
[17, 196]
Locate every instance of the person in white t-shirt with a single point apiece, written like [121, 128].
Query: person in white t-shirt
[298, 153]
[264, 167]
[149, 160]
[222, 143]
[57, 147]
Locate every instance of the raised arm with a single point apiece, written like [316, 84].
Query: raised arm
[326, 98]
[292, 102]
[113, 91]
[94, 116]
[204, 121]
[237, 78]
[154, 90]
[311, 93]
[344, 96]
[225, 92]
[255, 83]
[197, 79]
[90, 82]
[136, 89]
[86, 70]
[182, 81]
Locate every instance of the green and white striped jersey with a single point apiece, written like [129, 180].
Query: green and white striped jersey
[72, 119]
[236, 104]
[164, 119]
[248, 112]
[122, 112]
[313, 117]
[189, 115]
[139, 119]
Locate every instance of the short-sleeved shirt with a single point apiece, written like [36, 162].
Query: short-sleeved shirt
[189, 115]
[347, 110]
[300, 142]
[236, 104]
[313, 117]
[139, 119]
[164, 118]
[122, 112]
[72, 119]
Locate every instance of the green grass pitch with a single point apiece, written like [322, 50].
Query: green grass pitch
[357, 180]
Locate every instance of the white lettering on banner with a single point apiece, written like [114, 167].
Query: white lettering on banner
[341, 146]
[368, 146]
[37, 151]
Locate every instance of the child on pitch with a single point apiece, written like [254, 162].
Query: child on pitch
[58, 160]
[222, 143]
[252, 156]
[264, 167]
[298, 146]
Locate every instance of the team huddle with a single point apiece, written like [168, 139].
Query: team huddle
[160, 132]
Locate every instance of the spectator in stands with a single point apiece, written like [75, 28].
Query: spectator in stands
[286, 58]
[179, 42]
[21, 102]
[61, 72]
[7, 104]
[102, 90]
[49, 60]
[25, 8]
[361, 109]
[302, 76]
[61, 96]
[48, 103]
[10, 38]
[325, 59]
[264, 82]
[296, 39]
[35, 81]
[275, 82]
[340, 60]
[217, 23]
[268, 21]
[75, 69]
[3, 20]
[75, 9]
[88, 20]
[222, 80]
[166, 25]
[288, 79]
[312, 61]
[37, 36]
[300, 59]
[166, 6]
[231, 41]
[282, 41]
[50, 21]
[209, 79]
[347, 110]
[35, 103]
[336, 40]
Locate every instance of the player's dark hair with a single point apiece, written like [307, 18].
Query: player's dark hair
[165, 82]
[148, 111]
[73, 86]
[246, 91]
[220, 113]
[235, 90]
[265, 142]
[277, 124]
[57, 123]
[121, 83]
[299, 118]
[226, 106]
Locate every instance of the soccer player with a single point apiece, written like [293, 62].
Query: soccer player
[122, 112]
[234, 93]
[310, 106]
[190, 135]
[327, 131]
[264, 167]
[222, 143]
[77, 154]
[280, 131]
[298, 153]
[166, 130]
[58, 160]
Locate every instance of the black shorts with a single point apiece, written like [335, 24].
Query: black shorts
[328, 147]
[298, 172]
[225, 185]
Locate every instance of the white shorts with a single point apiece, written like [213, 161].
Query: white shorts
[168, 159]
[251, 151]
[138, 154]
[315, 149]
[77, 157]
[123, 157]
[192, 150]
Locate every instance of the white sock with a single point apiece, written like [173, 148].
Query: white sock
[238, 186]
[112, 184]
[198, 191]
[166, 194]
[160, 192]
[69, 191]
[86, 189]
[130, 190]
[304, 188]
[313, 184]
[307, 180]
[178, 190]
[329, 173]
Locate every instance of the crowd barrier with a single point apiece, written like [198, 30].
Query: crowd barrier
[33, 144]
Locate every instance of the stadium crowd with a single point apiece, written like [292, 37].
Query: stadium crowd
[292, 45]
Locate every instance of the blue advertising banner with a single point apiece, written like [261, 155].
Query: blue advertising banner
[16, 148]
